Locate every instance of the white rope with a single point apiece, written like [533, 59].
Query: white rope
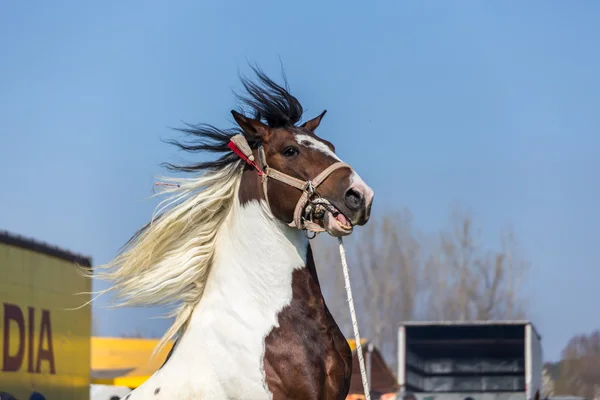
[361, 361]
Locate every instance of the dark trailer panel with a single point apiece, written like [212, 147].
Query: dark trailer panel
[469, 358]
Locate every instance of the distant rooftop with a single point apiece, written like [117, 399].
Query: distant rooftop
[44, 248]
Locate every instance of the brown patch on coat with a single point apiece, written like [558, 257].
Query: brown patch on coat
[307, 356]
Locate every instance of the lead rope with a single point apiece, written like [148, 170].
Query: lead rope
[361, 360]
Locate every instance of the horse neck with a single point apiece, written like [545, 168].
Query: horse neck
[254, 259]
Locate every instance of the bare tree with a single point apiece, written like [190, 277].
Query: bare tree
[469, 281]
[580, 367]
[388, 256]
[400, 274]
[548, 384]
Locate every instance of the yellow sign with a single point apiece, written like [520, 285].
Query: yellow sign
[44, 345]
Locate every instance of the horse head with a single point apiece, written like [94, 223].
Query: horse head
[299, 175]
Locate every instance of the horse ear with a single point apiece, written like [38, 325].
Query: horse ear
[252, 127]
[314, 123]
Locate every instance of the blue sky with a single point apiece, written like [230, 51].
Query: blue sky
[492, 105]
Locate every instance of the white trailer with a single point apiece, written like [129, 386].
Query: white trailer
[484, 360]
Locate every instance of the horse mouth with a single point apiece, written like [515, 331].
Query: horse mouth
[336, 223]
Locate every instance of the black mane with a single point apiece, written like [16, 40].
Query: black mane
[265, 99]
[273, 103]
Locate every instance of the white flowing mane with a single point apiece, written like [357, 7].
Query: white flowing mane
[169, 260]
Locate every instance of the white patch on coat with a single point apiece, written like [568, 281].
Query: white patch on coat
[316, 144]
[220, 356]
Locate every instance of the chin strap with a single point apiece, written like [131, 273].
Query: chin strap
[309, 198]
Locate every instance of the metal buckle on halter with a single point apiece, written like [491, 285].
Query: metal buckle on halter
[310, 188]
[309, 209]
[316, 206]
[308, 215]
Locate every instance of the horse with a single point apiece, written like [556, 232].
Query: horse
[230, 247]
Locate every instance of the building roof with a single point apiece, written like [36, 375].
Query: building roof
[381, 377]
[44, 248]
[352, 343]
[125, 361]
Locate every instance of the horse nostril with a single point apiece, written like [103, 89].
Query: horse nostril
[353, 199]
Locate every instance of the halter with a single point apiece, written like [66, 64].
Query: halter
[309, 204]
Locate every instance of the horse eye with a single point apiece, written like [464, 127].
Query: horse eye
[290, 152]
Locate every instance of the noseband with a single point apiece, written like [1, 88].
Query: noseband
[309, 204]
